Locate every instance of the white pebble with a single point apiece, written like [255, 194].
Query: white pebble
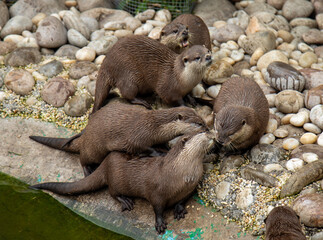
[236, 55]
[267, 139]
[271, 126]
[312, 128]
[144, 29]
[99, 59]
[271, 99]
[281, 133]
[3, 96]
[286, 119]
[308, 138]
[310, 157]
[303, 47]
[85, 54]
[272, 167]
[38, 76]
[232, 45]
[198, 91]
[299, 119]
[294, 164]
[213, 91]
[290, 143]
[320, 140]
[15, 38]
[259, 52]
[247, 73]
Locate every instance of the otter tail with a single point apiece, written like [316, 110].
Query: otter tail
[93, 182]
[65, 144]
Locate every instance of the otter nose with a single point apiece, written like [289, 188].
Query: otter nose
[185, 32]
[208, 57]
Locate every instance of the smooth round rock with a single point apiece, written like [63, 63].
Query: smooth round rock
[273, 167]
[271, 126]
[294, 164]
[133, 23]
[144, 29]
[37, 18]
[265, 40]
[267, 139]
[308, 138]
[289, 101]
[290, 143]
[310, 127]
[163, 15]
[22, 57]
[146, 15]
[85, 54]
[297, 8]
[269, 57]
[265, 154]
[310, 157]
[124, 33]
[20, 81]
[4, 16]
[213, 91]
[99, 59]
[67, 50]
[103, 44]
[228, 32]
[51, 33]
[16, 25]
[320, 140]
[307, 59]
[78, 105]
[313, 36]
[198, 91]
[28, 42]
[281, 133]
[57, 90]
[80, 69]
[316, 116]
[76, 38]
[73, 21]
[299, 119]
[7, 47]
[309, 208]
[51, 69]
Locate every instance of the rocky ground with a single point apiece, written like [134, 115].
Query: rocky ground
[50, 56]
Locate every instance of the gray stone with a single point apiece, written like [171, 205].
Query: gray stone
[91, 87]
[314, 97]
[298, 31]
[317, 236]
[30, 8]
[276, 22]
[222, 190]
[278, 4]
[80, 69]
[309, 22]
[57, 90]
[316, 116]
[76, 38]
[314, 77]
[7, 47]
[103, 44]
[318, 6]
[228, 32]
[78, 105]
[67, 51]
[4, 16]
[308, 148]
[231, 162]
[16, 25]
[240, 18]
[91, 23]
[22, 57]
[73, 21]
[260, 177]
[146, 15]
[20, 81]
[265, 40]
[297, 8]
[265, 154]
[86, 5]
[255, 7]
[313, 36]
[51, 69]
[51, 33]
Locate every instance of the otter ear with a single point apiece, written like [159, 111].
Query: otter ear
[265, 220]
[162, 33]
[180, 116]
[184, 139]
[243, 122]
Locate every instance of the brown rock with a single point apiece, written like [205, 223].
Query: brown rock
[313, 77]
[319, 51]
[319, 20]
[313, 36]
[7, 47]
[278, 4]
[314, 97]
[308, 148]
[239, 66]
[318, 6]
[20, 81]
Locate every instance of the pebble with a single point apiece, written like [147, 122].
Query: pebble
[91, 87]
[267, 139]
[132, 23]
[22, 57]
[311, 23]
[99, 59]
[16, 25]
[316, 116]
[218, 72]
[289, 101]
[198, 91]
[4, 17]
[78, 105]
[13, 38]
[103, 44]
[144, 29]
[91, 23]
[80, 69]
[85, 54]
[37, 18]
[259, 52]
[51, 69]
[320, 140]
[310, 157]
[313, 77]
[294, 164]
[271, 99]
[20, 81]
[123, 33]
[3, 96]
[303, 47]
[76, 38]
[310, 127]
[297, 8]
[72, 21]
[285, 35]
[67, 50]
[83, 81]
[228, 32]
[319, 20]
[163, 15]
[271, 126]
[244, 198]
[28, 42]
[313, 36]
[265, 40]
[281, 133]
[299, 119]
[236, 55]
[7, 47]
[265, 154]
[308, 138]
[222, 190]
[146, 15]
[307, 59]
[115, 25]
[155, 33]
[273, 167]
[314, 97]
[57, 90]
[213, 91]
[269, 57]
[290, 143]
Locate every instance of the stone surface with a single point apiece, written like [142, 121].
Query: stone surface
[20, 81]
[85, 54]
[265, 40]
[307, 59]
[22, 57]
[51, 69]
[313, 77]
[80, 69]
[316, 115]
[289, 101]
[265, 154]
[228, 32]
[103, 44]
[255, 7]
[76, 38]
[51, 33]
[67, 51]
[218, 72]
[271, 56]
[314, 97]
[309, 148]
[7, 47]
[16, 25]
[78, 105]
[297, 8]
[56, 91]
[244, 198]
[290, 143]
[73, 21]
[4, 17]
[86, 5]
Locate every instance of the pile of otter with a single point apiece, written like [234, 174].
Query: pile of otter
[235, 105]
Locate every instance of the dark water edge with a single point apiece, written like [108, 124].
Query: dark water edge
[31, 214]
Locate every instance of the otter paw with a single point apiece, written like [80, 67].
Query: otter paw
[179, 211]
[161, 226]
[126, 203]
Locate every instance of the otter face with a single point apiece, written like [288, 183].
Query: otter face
[197, 56]
[175, 36]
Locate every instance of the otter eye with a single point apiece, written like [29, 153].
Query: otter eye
[185, 60]
[197, 58]
[175, 31]
[243, 122]
[162, 33]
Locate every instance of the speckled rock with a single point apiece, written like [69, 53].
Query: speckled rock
[51, 69]
[314, 97]
[23, 57]
[316, 115]
[309, 207]
[276, 22]
[76, 38]
[7, 47]
[255, 7]
[51, 33]
[67, 51]
[20, 81]
[80, 69]
[269, 57]
[265, 154]
[16, 25]
[313, 77]
[297, 8]
[144, 29]
[218, 72]
[78, 105]
[4, 17]
[307, 59]
[57, 90]
[298, 31]
[289, 101]
[311, 23]
[319, 20]
[228, 32]
[103, 44]
[132, 23]
[259, 176]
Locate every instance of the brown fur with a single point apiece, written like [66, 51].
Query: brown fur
[163, 181]
[282, 223]
[123, 127]
[185, 31]
[140, 65]
[241, 112]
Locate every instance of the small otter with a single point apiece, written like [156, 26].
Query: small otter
[185, 31]
[140, 65]
[282, 223]
[124, 127]
[241, 114]
[163, 181]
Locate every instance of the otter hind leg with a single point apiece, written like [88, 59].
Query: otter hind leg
[126, 203]
[161, 224]
[179, 211]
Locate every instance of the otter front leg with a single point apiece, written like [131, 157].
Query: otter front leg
[160, 225]
[179, 210]
[126, 203]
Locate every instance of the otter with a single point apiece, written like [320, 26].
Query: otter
[185, 31]
[163, 181]
[119, 126]
[141, 65]
[282, 223]
[241, 114]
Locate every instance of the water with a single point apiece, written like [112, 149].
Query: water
[29, 214]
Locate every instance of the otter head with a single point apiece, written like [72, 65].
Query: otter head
[233, 126]
[175, 36]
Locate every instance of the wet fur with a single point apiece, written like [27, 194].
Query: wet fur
[282, 223]
[198, 33]
[241, 112]
[124, 127]
[138, 65]
[163, 181]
